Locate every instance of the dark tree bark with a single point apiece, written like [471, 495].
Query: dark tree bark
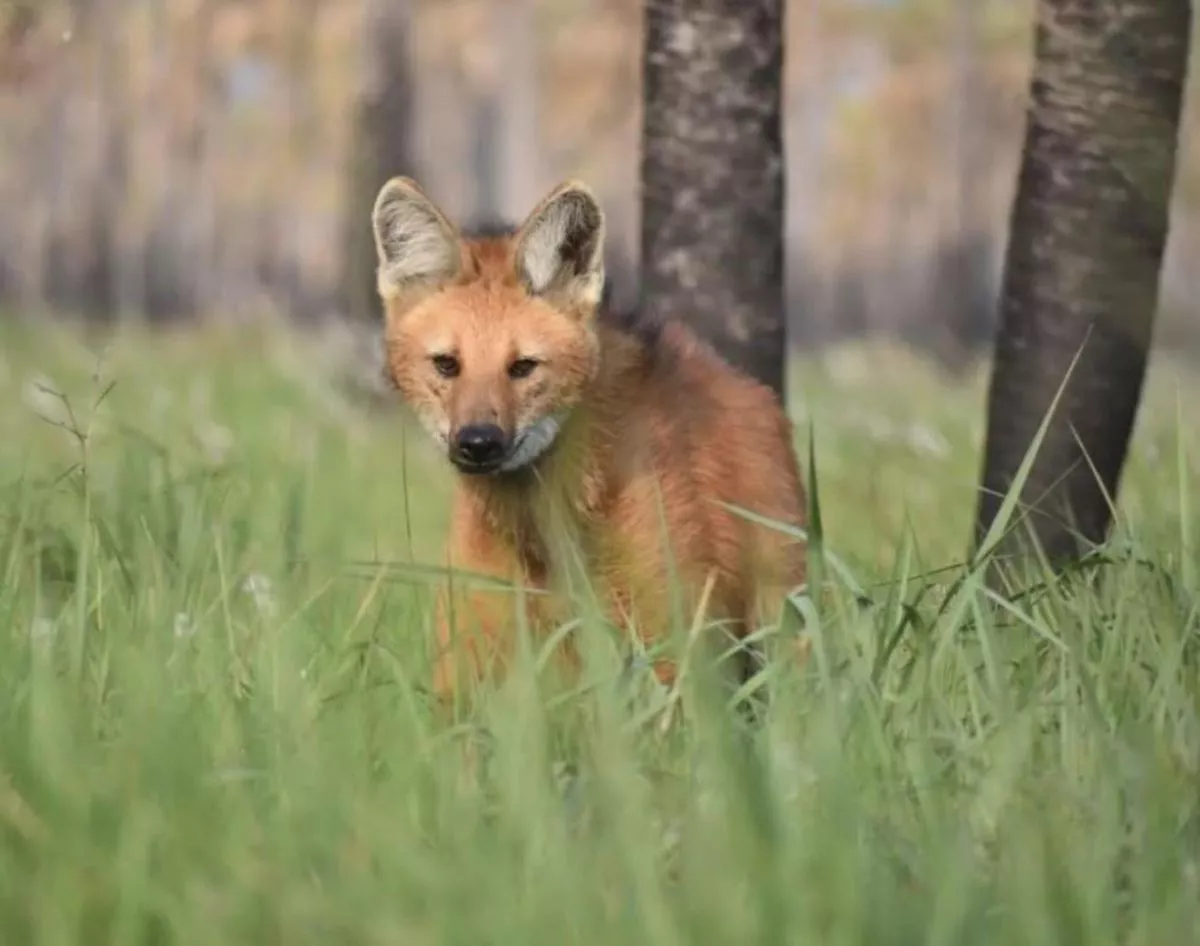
[1087, 235]
[382, 149]
[713, 176]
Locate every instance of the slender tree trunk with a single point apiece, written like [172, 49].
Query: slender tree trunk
[713, 177]
[1088, 230]
[281, 268]
[93, 238]
[181, 275]
[121, 298]
[963, 264]
[382, 148]
[518, 140]
[484, 169]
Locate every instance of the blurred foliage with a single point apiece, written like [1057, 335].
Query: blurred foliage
[221, 129]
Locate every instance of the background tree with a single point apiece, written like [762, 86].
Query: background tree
[712, 175]
[1088, 230]
[382, 145]
[82, 257]
[963, 262]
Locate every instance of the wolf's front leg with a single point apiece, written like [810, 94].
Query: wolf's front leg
[479, 609]
[475, 629]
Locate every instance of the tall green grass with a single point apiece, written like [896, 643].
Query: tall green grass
[214, 725]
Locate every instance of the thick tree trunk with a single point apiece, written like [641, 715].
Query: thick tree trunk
[713, 177]
[383, 146]
[1088, 230]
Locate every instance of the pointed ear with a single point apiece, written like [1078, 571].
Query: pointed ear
[560, 248]
[418, 248]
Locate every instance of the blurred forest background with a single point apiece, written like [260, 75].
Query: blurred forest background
[164, 160]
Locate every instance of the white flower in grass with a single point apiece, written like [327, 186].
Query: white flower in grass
[42, 632]
[792, 774]
[183, 626]
[216, 441]
[926, 439]
[258, 586]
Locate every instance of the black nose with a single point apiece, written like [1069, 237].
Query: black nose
[479, 445]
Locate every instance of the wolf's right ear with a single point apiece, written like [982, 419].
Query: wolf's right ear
[418, 248]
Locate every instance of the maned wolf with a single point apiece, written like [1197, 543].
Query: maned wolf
[577, 436]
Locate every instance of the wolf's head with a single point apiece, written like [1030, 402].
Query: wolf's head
[490, 340]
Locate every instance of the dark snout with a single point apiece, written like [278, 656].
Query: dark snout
[479, 448]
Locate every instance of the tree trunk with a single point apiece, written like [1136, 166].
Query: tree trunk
[713, 177]
[1088, 230]
[86, 253]
[382, 148]
[964, 292]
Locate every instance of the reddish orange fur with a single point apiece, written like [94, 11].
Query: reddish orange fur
[659, 433]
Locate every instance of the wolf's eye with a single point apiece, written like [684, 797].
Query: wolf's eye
[522, 368]
[446, 365]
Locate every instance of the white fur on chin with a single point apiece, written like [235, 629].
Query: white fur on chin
[532, 442]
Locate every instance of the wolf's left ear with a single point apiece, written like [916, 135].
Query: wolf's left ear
[560, 249]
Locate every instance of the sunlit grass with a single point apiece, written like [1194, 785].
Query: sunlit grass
[214, 726]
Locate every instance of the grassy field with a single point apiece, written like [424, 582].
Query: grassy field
[213, 726]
